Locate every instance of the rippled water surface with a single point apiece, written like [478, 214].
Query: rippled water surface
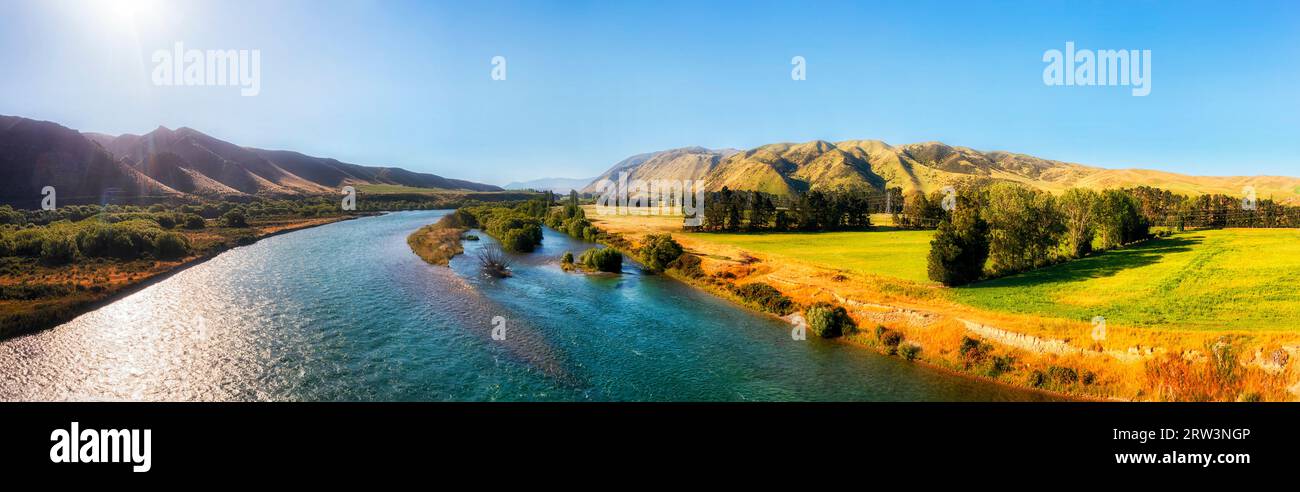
[346, 312]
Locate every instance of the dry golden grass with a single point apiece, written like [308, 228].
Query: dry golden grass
[436, 243]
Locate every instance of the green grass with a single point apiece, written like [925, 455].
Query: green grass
[892, 253]
[1244, 279]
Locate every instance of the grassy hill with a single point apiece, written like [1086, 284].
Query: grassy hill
[786, 168]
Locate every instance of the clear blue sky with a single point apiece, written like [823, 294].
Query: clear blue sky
[408, 83]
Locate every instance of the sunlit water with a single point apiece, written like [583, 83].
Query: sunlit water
[346, 312]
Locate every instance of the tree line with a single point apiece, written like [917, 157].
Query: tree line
[836, 209]
[1004, 228]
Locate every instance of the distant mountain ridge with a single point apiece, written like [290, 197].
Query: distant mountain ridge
[681, 164]
[788, 168]
[557, 185]
[174, 163]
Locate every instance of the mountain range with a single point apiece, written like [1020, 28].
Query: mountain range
[181, 163]
[788, 168]
[557, 185]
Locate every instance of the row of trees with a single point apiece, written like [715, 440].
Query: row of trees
[1165, 208]
[1004, 228]
[816, 210]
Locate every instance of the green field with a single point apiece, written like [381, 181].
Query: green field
[1244, 279]
[892, 253]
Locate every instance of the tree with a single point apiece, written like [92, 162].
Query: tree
[1120, 221]
[760, 211]
[660, 250]
[918, 212]
[1023, 228]
[960, 246]
[1078, 208]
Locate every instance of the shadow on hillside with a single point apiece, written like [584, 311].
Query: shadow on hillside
[1102, 265]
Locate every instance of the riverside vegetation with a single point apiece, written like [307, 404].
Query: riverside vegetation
[1086, 293]
[55, 264]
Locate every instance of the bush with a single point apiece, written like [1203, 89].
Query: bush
[234, 218]
[999, 365]
[567, 259]
[973, 352]
[166, 221]
[1062, 375]
[765, 297]
[194, 221]
[890, 339]
[517, 241]
[688, 265]
[909, 350]
[660, 250]
[1036, 378]
[172, 245]
[604, 259]
[59, 249]
[828, 320]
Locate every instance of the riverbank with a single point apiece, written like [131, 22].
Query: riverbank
[438, 242]
[83, 287]
[1063, 356]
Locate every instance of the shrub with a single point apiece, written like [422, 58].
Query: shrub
[973, 352]
[890, 339]
[518, 241]
[234, 218]
[166, 221]
[567, 259]
[194, 221]
[660, 250]
[765, 297]
[999, 365]
[828, 320]
[1088, 378]
[1062, 375]
[1036, 378]
[172, 245]
[575, 226]
[59, 249]
[688, 265]
[6, 245]
[909, 350]
[604, 259]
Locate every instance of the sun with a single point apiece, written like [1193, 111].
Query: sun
[123, 12]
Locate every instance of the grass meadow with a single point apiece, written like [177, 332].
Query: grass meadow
[891, 253]
[1230, 279]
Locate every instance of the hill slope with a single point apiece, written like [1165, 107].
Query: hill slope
[691, 163]
[786, 168]
[35, 154]
[165, 163]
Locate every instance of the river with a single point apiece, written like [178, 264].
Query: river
[345, 312]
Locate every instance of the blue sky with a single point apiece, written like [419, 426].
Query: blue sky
[588, 83]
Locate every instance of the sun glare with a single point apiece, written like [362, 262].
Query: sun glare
[123, 12]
